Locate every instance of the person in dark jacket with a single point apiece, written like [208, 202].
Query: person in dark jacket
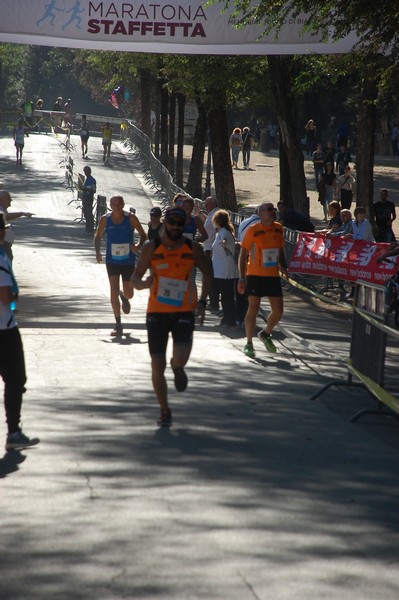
[291, 219]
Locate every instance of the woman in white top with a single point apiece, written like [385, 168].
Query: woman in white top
[224, 264]
[361, 226]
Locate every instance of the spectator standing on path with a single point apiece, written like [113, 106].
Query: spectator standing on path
[19, 139]
[224, 264]
[12, 362]
[57, 107]
[235, 144]
[318, 163]
[84, 135]
[343, 159]
[211, 206]
[106, 141]
[327, 188]
[384, 215]
[155, 224]
[5, 203]
[292, 219]
[346, 188]
[310, 137]
[68, 113]
[261, 257]
[247, 142]
[342, 135]
[119, 226]
[88, 189]
[172, 302]
[329, 154]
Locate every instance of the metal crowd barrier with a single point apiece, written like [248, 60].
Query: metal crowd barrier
[161, 178]
[368, 352]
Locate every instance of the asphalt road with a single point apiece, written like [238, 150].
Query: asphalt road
[254, 493]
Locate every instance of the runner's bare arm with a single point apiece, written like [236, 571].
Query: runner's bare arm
[98, 237]
[6, 295]
[242, 267]
[135, 223]
[201, 229]
[205, 268]
[283, 263]
[142, 266]
[203, 264]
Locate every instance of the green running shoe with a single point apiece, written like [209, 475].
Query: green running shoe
[267, 341]
[249, 350]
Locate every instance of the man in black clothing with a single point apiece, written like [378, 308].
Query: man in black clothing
[291, 219]
[384, 214]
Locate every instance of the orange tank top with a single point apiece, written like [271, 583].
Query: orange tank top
[173, 288]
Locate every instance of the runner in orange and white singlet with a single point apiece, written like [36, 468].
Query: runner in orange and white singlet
[172, 260]
[261, 260]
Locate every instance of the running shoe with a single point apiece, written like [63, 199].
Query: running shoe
[249, 350]
[118, 331]
[19, 440]
[165, 419]
[181, 379]
[266, 339]
[125, 303]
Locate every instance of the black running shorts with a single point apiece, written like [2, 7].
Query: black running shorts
[159, 325]
[125, 271]
[264, 286]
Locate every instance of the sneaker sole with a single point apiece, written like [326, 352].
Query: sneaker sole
[271, 349]
[15, 446]
[115, 333]
[181, 379]
[125, 304]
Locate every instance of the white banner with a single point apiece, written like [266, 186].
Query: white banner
[184, 27]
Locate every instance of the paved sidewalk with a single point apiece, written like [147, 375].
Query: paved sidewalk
[254, 493]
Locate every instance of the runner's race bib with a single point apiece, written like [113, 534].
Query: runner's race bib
[120, 251]
[270, 257]
[171, 291]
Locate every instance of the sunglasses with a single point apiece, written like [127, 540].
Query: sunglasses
[269, 208]
[177, 222]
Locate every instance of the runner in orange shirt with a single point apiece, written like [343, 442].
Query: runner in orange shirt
[261, 259]
[172, 303]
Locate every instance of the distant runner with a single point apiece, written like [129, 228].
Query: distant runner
[107, 141]
[120, 259]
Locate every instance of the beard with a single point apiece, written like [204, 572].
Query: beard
[174, 234]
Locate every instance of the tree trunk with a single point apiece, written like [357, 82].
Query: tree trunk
[280, 77]
[181, 103]
[164, 123]
[194, 182]
[365, 142]
[157, 130]
[145, 95]
[172, 126]
[285, 178]
[223, 173]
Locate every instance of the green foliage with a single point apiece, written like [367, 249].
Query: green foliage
[376, 23]
[219, 81]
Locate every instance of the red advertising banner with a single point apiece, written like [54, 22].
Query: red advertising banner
[341, 258]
